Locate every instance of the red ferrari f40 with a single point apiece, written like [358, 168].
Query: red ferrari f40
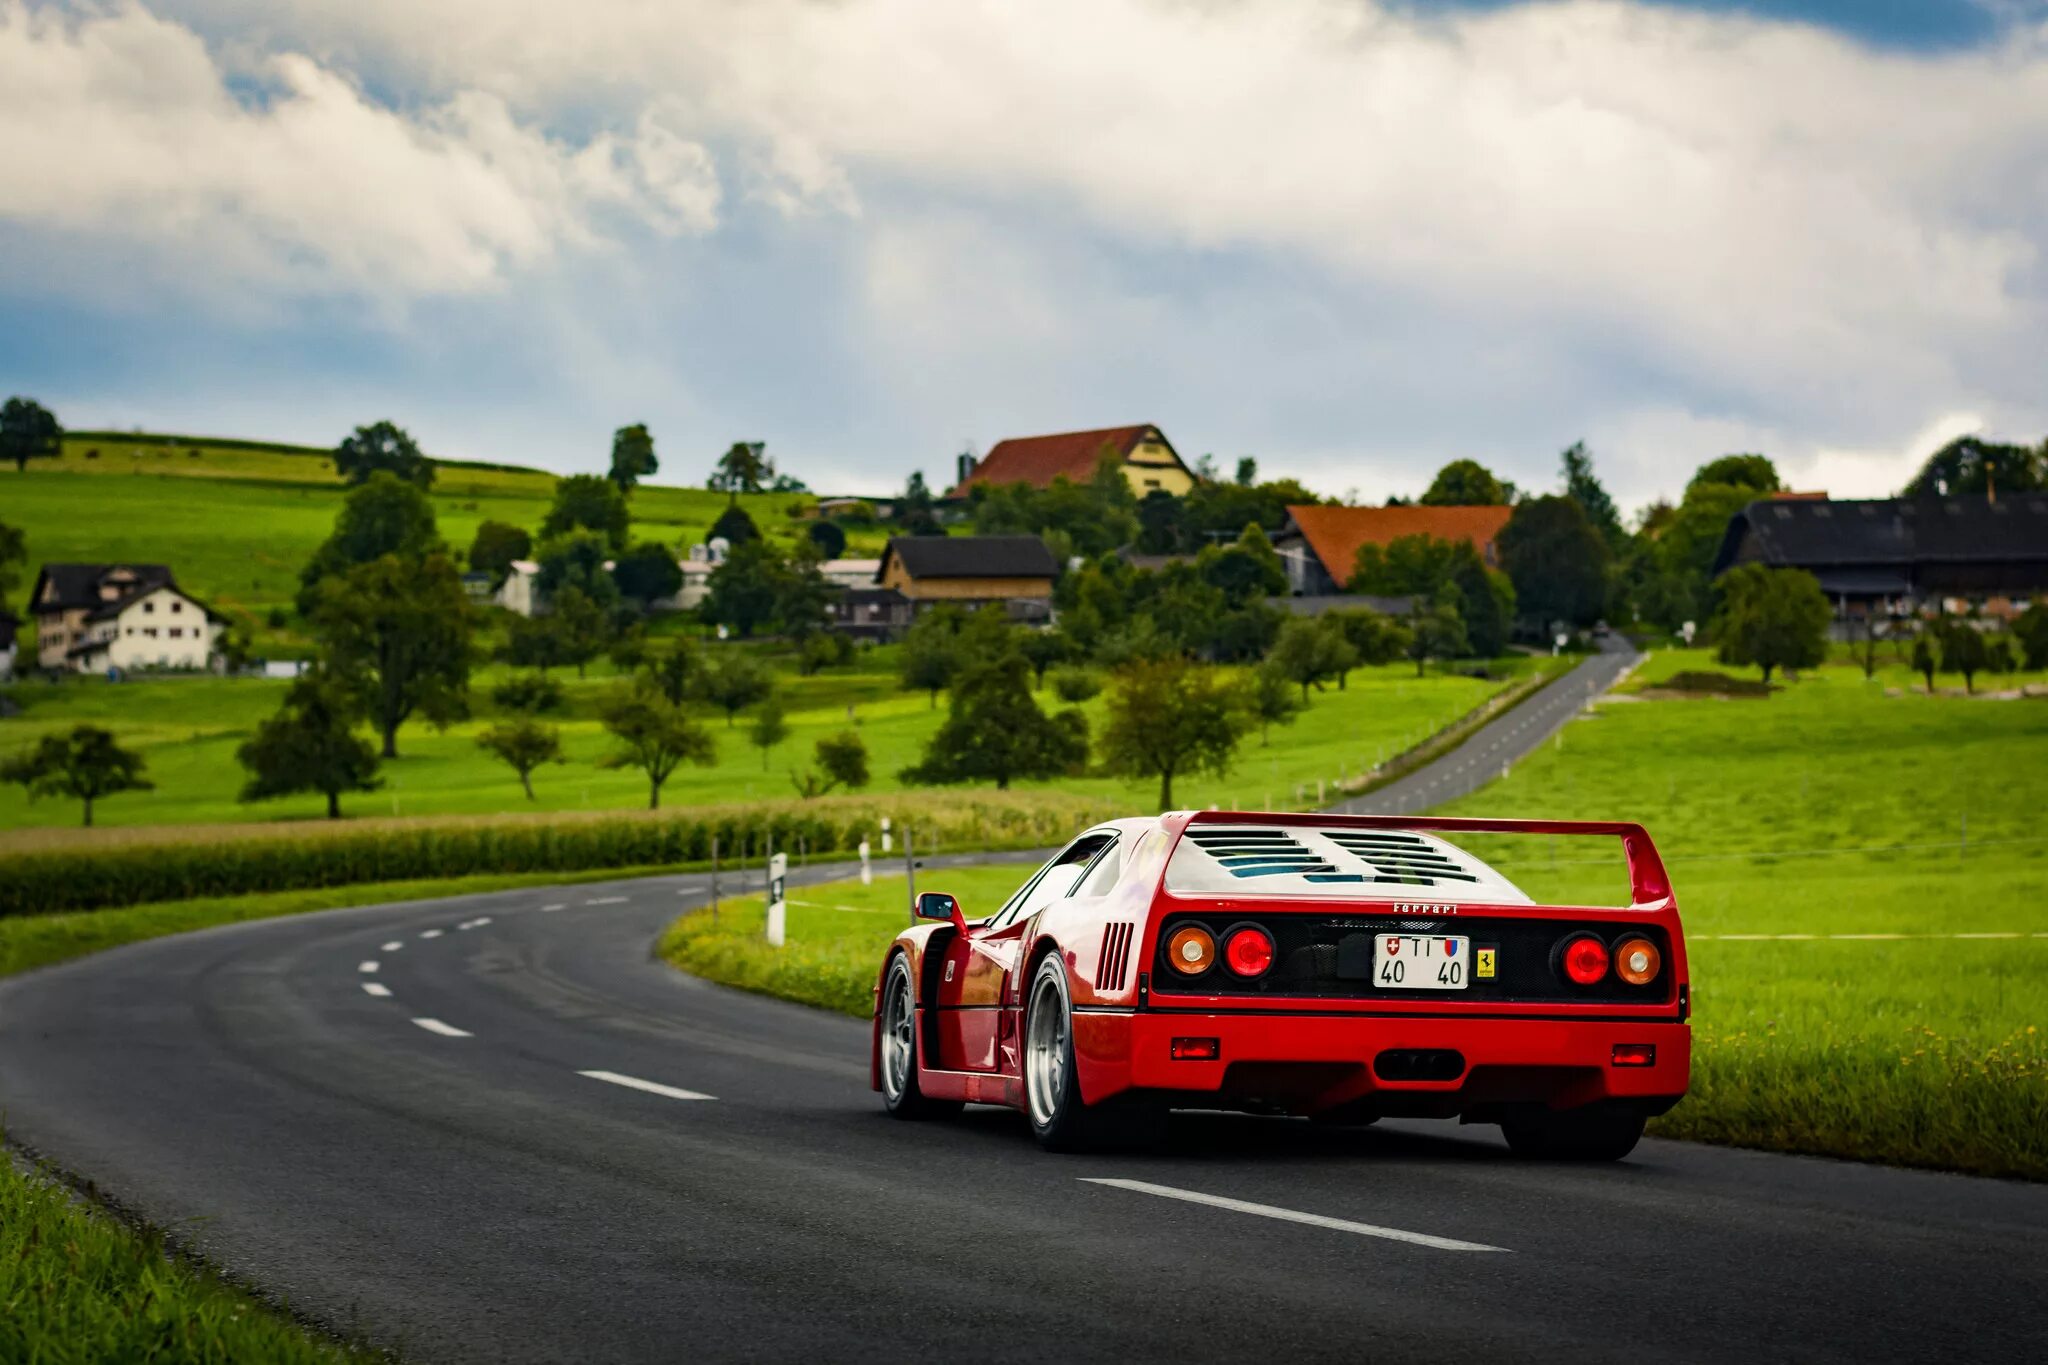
[1345, 968]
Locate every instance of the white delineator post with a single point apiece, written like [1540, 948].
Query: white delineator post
[886, 845]
[867, 873]
[778, 907]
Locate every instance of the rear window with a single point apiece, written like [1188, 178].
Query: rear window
[1333, 864]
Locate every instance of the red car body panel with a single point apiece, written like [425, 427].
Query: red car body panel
[1300, 1054]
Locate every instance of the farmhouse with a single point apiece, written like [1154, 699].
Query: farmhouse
[1147, 458]
[92, 617]
[1014, 572]
[1320, 545]
[1893, 556]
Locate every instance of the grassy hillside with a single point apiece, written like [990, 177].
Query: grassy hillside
[237, 520]
[188, 729]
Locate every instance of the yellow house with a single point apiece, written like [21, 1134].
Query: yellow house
[1148, 459]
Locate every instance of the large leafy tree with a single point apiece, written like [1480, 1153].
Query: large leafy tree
[1168, 717]
[1970, 464]
[385, 516]
[1751, 471]
[647, 572]
[1432, 568]
[745, 593]
[654, 735]
[85, 765]
[1246, 570]
[1435, 629]
[396, 633]
[842, 761]
[732, 680]
[827, 536]
[496, 545]
[1378, 639]
[1583, 487]
[770, 728]
[580, 625]
[734, 526]
[13, 556]
[996, 733]
[309, 745]
[382, 448]
[632, 456]
[1557, 561]
[28, 431]
[1311, 651]
[744, 468]
[1963, 649]
[522, 744]
[577, 559]
[1467, 483]
[1270, 695]
[1772, 618]
[930, 655]
[591, 503]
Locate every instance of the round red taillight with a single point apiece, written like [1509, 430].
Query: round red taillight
[1585, 960]
[1636, 961]
[1248, 951]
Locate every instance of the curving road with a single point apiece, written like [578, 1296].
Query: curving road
[493, 1129]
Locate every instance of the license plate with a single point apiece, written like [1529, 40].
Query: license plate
[1422, 962]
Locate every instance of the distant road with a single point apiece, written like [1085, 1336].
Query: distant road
[495, 1129]
[1500, 742]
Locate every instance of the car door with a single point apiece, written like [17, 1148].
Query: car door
[978, 964]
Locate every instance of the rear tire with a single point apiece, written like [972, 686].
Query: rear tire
[1598, 1132]
[900, 1050]
[1052, 1093]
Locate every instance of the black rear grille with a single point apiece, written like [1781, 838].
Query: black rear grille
[1330, 957]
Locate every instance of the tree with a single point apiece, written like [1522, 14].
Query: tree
[522, 744]
[1270, 695]
[1436, 630]
[647, 573]
[580, 627]
[732, 681]
[385, 516]
[86, 765]
[1963, 649]
[2032, 630]
[1246, 570]
[842, 762]
[930, 653]
[1557, 561]
[535, 642]
[1076, 685]
[822, 649]
[396, 633]
[1425, 566]
[13, 555]
[1247, 471]
[587, 502]
[915, 512]
[1970, 465]
[744, 468]
[769, 729]
[654, 735]
[1168, 717]
[1772, 618]
[1378, 639]
[1583, 487]
[995, 731]
[803, 599]
[531, 693]
[1754, 472]
[234, 649]
[1925, 659]
[1309, 651]
[672, 671]
[632, 456]
[496, 546]
[826, 535]
[1162, 524]
[734, 526]
[310, 744]
[1466, 483]
[28, 431]
[382, 448]
[745, 592]
[577, 559]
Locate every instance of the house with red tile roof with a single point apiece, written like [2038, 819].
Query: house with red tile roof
[1320, 545]
[1148, 459]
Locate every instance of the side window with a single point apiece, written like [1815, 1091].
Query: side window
[1054, 880]
[1102, 874]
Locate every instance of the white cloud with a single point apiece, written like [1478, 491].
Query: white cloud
[122, 126]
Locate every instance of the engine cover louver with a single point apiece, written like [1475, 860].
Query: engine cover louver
[1116, 956]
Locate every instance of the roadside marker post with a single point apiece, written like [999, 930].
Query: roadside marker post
[778, 907]
[867, 873]
[885, 836]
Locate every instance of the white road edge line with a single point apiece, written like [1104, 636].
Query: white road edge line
[635, 1083]
[381, 991]
[546, 908]
[607, 900]
[370, 966]
[431, 933]
[392, 946]
[479, 922]
[445, 1030]
[1289, 1215]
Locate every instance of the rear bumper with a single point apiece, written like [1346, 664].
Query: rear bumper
[1445, 1066]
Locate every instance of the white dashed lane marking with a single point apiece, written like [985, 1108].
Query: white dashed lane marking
[392, 946]
[651, 1087]
[1316, 1220]
[382, 992]
[607, 900]
[445, 1030]
[479, 922]
[431, 933]
[370, 966]
[546, 908]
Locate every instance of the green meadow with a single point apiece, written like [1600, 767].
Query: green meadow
[1796, 829]
[188, 728]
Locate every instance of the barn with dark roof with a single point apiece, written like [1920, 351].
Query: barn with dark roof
[1013, 572]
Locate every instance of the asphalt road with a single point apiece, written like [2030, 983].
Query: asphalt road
[1500, 742]
[466, 1190]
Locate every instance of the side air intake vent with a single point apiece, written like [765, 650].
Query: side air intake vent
[1265, 853]
[1116, 956]
[1398, 858]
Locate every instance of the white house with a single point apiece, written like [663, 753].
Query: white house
[159, 627]
[520, 591]
[851, 573]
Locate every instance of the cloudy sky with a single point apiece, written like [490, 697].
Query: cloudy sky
[1355, 239]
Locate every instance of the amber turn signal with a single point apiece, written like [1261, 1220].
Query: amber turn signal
[1191, 949]
[1637, 961]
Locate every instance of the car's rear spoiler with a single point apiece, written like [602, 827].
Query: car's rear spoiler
[1649, 885]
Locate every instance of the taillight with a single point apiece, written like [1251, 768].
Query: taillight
[1585, 960]
[1637, 961]
[1248, 951]
[1191, 949]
